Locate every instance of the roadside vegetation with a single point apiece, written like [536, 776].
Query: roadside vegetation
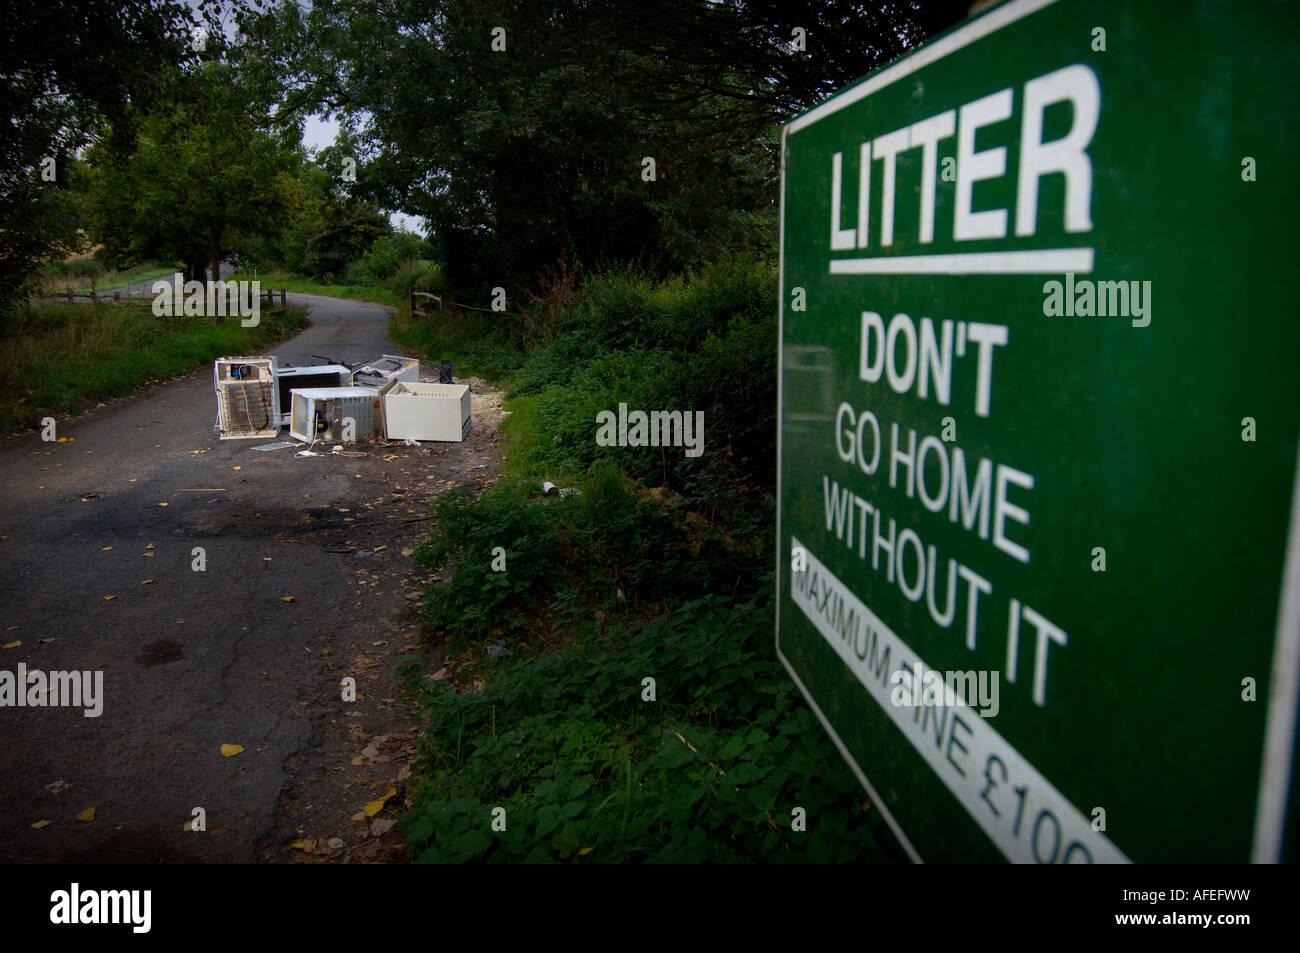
[385, 273]
[61, 358]
[85, 273]
[658, 567]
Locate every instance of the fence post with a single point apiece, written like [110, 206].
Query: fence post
[69, 294]
[284, 303]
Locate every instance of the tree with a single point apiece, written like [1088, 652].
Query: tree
[69, 73]
[202, 182]
[538, 145]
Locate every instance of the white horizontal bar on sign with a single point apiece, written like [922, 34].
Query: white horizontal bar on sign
[1052, 261]
[1020, 810]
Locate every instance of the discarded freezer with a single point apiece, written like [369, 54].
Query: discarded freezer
[289, 379]
[390, 367]
[247, 403]
[322, 414]
[418, 411]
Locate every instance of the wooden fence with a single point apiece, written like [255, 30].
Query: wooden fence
[420, 311]
[70, 296]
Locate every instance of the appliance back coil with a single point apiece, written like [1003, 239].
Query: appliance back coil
[246, 397]
[246, 405]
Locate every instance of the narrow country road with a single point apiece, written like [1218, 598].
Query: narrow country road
[193, 660]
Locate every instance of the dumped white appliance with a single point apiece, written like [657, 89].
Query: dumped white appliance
[420, 411]
[247, 403]
[289, 379]
[321, 414]
[390, 367]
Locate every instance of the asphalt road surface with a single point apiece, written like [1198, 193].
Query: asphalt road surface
[193, 660]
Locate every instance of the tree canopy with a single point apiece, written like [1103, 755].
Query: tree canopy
[70, 72]
[522, 131]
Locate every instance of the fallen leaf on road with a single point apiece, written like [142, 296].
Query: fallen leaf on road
[306, 846]
[237, 468]
[334, 843]
[45, 641]
[380, 827]
[286, 598]
[359, 816]
[228, 751]
[380, 549]
[13, 645]
[106, 549]
[87, 815]
[106, 598]
[358, 761]
[162, 504]
[377, 805]
[150, 546]
[405, 773]
[39, 824]
[57, 786]
[146, 554]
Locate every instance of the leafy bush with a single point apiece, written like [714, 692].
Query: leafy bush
[609, 546]
[659, 566]
[711, 770]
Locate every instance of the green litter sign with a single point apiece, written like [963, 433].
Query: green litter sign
[1038, 518]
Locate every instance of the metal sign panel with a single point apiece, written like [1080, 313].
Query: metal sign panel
[1039, 571]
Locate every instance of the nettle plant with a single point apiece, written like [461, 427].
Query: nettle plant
[585, 766]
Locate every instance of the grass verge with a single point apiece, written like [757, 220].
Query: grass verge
[608, 675]
[59, 358]
[680, 740]
[278, 280]
[102, 281]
